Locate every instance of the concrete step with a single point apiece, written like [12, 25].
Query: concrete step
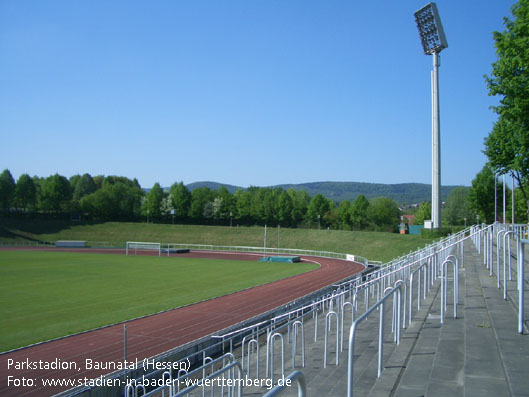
[478, 354]
[416, 351]
[332, 380]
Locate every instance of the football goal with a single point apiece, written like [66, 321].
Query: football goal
[134, 248]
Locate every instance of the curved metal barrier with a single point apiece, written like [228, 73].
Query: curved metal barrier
[397, 294]
[295, 375]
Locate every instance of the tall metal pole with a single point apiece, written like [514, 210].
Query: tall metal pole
[512, 219]
[436, 145]
[495, 199]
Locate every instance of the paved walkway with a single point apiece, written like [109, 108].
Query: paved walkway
[480, 353]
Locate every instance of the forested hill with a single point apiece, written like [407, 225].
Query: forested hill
[402, 193]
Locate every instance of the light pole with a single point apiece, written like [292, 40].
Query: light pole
[433, 41]
[495, 199]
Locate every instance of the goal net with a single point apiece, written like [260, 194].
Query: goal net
[134, 248]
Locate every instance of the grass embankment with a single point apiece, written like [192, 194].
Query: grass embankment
[46, 295]
[372, 245]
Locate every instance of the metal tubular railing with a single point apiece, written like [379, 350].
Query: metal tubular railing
[456, 280]
[503, 232]
[328, 323]
[342, 320]
[214, 375]
[166, 247]
[506, 236]
[251, 343]
[295, 375]
[270, 348]
[295, 327]
[521, 281]
[170, 379]
[260, 250]
[498, 250]
[354, 326]
[444, 287]
[132, 390]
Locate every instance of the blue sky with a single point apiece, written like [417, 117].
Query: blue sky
[247, 92]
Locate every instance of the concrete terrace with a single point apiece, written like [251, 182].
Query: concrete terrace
[479, 353]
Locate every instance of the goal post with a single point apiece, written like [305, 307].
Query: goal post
[133, 247]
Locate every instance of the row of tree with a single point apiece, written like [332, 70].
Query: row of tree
[507, 145]
[121, 199]
[483, 202]
[111, 197]
[114, 198]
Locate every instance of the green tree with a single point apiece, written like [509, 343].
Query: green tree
[255, 209]
[181, 197]
[243, 200]
[384, 213]
[317, 208]
[266, 204]
[520, 207]
[331, 218]
[507, 154]
[55, 193]
[457, 210]
[199, 198]
[73, 181]
[98, 180]
[25, 192]
[225, 203]
[7, 190]
[345, 215]
[507, 146]
[152, 203]
[300, 203]
[359, 215]
[85, 185]
[113, 179]
[37, 181]
[117, 201]
[481, 195]
[285, 209]
[424, 212]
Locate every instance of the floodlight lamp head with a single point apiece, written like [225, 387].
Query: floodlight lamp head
[431, 31]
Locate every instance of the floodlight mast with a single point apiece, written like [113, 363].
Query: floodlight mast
[433, 41]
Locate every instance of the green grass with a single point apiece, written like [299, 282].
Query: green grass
[372, 245]
[46, 295]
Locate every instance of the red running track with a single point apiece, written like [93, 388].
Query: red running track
[152, 335]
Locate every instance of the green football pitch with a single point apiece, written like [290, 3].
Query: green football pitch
[46, 295]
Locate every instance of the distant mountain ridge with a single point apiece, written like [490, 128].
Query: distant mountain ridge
[402, 193]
